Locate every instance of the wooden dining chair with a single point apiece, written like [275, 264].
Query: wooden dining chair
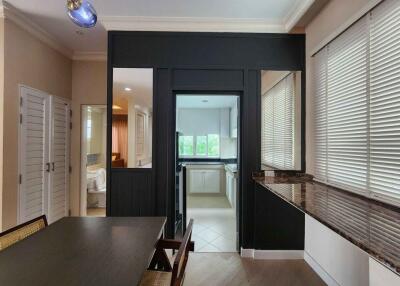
[15, 234]
[160, 272]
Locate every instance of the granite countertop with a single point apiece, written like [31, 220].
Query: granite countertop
[369, 224]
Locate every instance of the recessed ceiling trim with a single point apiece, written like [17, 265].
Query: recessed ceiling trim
[10, 13]
[188, 24]
[296, 13]
[89, 56]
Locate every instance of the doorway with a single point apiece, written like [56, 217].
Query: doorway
[207, 133]
[93, 160]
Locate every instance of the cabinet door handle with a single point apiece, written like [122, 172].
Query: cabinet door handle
[53, 167]
[48, 167]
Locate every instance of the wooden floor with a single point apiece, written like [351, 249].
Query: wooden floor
[219, 269]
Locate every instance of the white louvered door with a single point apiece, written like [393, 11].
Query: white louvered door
[59, 159]
[44, 138]
[33, 154]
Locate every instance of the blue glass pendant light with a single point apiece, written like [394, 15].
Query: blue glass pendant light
[82, 13]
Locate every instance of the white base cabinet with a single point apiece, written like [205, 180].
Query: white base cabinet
[205, 179]
[231, 187]
[379, 275]
[339, 262]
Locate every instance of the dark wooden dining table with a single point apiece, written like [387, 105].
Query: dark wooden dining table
[83, 251]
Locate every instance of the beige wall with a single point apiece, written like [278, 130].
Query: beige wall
[1, 115]
[326, 23]
[30, 62]
[89, 86]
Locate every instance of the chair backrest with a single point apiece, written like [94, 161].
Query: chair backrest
[15, 234]
[178, 269]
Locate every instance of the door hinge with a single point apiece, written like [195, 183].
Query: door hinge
[20, 101]
[70, 125]
[70, 112]
[20, 118]
[69, 212]
[70, 169]
[20, 179]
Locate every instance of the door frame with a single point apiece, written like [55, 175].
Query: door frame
[239, 209]
[82, 167]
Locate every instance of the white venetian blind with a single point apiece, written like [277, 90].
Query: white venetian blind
[320, 112]
[347, 108]
[357, 106]
[385, 100]
[278, 125]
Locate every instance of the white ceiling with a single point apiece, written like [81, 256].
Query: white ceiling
[206, 101]
[140, 81]
[185, 15]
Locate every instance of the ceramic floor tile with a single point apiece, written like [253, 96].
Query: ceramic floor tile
[198, 242]
[224, 244]
[209, 248]
[209, 235]
[214, 228]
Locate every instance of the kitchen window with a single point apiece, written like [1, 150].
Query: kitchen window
[357, 107]
[201, 146]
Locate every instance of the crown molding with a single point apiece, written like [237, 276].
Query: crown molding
[189, 24]
[9, 12]
[89, 56]
[296, 13]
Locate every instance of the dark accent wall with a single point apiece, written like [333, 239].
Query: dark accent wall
[278, 225]
[196, 62]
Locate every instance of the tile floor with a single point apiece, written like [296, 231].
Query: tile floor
[214, 228]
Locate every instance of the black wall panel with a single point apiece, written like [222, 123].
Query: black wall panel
[197, 62]
[218, 80]
[132, 193]
[278, 225]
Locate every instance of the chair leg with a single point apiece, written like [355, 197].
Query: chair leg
[160, 261]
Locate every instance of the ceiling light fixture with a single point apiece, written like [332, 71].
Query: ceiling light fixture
[82, 13]
[127, 89]
[116, 107]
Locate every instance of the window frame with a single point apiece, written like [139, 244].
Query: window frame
[195, 155]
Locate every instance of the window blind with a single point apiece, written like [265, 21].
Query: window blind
[385, 100]
[320, 115]
[356, 87]
[278, 125]
[347, 108]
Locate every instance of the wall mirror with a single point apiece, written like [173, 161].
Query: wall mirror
[281, 120]
[132, 118]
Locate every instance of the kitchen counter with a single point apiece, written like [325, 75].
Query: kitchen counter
[369, 224]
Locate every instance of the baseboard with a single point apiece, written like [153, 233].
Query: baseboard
[272, 254]
[247, 253]
[319, 270]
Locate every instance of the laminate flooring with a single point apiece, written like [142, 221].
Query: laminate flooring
[220, 269]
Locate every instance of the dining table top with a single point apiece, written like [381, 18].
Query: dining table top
[83, 251]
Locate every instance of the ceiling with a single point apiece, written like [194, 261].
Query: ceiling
[159, 15]
[206, 101]
[140, 81]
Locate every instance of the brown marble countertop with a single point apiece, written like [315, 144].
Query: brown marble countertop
[369, 224]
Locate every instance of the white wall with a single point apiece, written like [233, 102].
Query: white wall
[202, 121]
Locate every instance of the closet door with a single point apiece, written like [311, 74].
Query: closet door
[33, 154]
[59, 159]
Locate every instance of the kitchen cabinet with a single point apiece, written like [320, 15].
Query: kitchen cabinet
[231, 186]
[205, 179]
[233, 122]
